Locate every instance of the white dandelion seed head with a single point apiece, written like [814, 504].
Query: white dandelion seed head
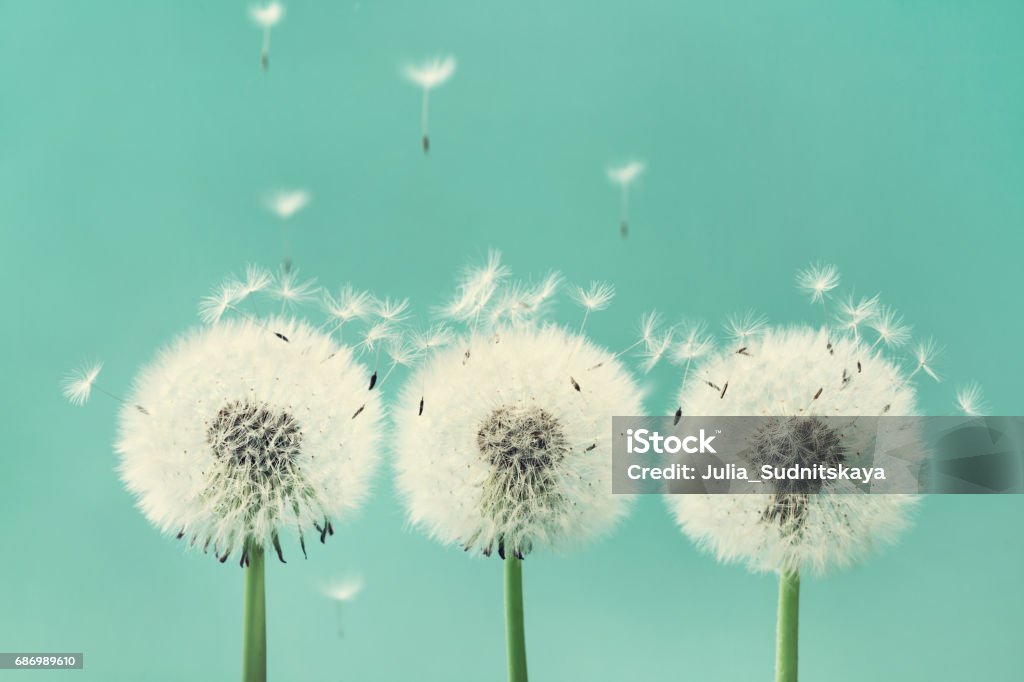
[791, 367]
[595, 297]
[511, 449]
[890, 327]
[970, 401]
[345, 590]
[627, 173]
[287, 203]
[432, 72]
[246, 435]
[817, 280]
[267, 15]
[77, 386]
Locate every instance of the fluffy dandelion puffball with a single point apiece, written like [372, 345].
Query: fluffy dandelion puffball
[804, 372]
[512, 450]
[503, 436]
[248, 431]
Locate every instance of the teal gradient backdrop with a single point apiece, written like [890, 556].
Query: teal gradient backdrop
[136, 139]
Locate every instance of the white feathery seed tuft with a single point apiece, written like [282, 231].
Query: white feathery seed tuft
[287, 203]
[428, 75]
[77, 386]
[267, 15]
[349, 305]
[745, 327]
[291, 291]
[817, 280]
[853, 313]
[891, 329]
[431, 73]
[627, 173]
[595, 297]
[345, 590]
[969, 400]
[695, 343]
[924, 357]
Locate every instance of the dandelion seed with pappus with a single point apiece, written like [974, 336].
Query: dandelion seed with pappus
[429, 75]
[266, 16]
[502, 442]
[285, 204]
[624, 176]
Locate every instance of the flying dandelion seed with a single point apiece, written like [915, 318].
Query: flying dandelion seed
[341, 593]
[854, 313]
[266, 16]
[596, 297]
[284, 205]
[924, 356]
[429, 75]
[345, 590]
[817, 281]
[624, 176]
[890, 327]
[77, 386]
[743, 328]
[969, 400]
[293, 292]
[502, 439]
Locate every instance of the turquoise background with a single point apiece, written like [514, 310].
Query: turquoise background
[136, 139]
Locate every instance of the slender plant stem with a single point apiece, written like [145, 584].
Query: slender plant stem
[254, 626]
[788, 633]
[515, 638]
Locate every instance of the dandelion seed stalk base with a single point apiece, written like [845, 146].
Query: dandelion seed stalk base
[254, 624]
[787, 634]
[515, 636]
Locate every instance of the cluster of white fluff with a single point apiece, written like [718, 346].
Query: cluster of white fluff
[843, 369]
[503, 435]
[252, 425]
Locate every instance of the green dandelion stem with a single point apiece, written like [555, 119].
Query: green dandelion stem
[254, 626]
[515, 637]
[788, 633]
